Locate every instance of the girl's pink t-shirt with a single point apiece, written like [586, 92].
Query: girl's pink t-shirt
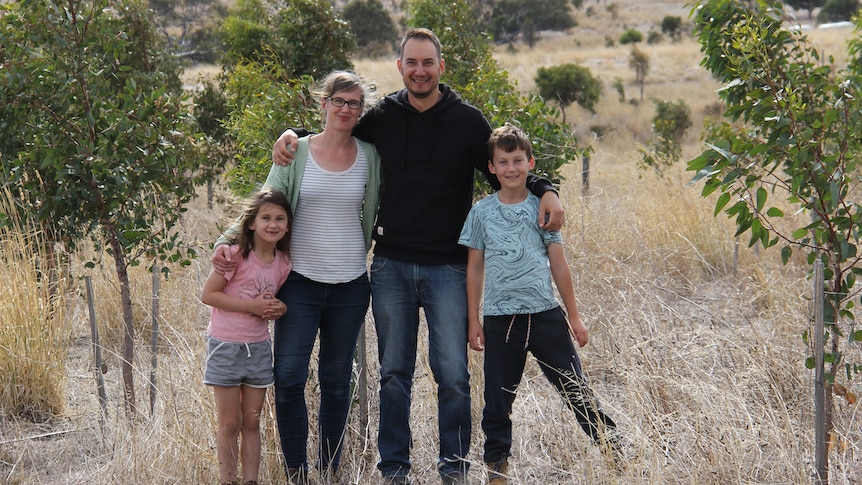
[249, 279]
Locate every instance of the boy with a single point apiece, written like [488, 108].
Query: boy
[521, 312]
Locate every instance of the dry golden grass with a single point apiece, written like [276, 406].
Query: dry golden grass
[695, 344]
[32, 330]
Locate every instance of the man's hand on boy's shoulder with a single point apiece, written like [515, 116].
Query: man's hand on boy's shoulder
[552, 215]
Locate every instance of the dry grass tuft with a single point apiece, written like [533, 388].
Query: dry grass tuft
[33, 331]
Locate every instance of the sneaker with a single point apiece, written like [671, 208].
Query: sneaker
[297, 476]
[498, 471]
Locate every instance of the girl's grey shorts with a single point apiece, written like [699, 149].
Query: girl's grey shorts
[232, 364]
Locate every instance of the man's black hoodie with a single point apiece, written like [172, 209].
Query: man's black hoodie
[428, 160]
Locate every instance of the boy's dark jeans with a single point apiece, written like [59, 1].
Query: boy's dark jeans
[546, 336]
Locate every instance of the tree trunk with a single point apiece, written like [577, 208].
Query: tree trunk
[128, 325]
[209, 194]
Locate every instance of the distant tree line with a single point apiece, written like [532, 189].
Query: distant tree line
[191, 26]
[830, 10]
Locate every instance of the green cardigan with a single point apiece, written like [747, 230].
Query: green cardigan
[288, 178]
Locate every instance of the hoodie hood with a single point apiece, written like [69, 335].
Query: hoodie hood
[447, 100]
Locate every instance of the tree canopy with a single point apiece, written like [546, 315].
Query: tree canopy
[838, 10]
[567, 84]
[790, 132]
[510, 18]
[808, 5]
[300, 37]
[93, 134]
[372, 26]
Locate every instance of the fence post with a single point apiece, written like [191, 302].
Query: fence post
[585, 174]
[821, 447]
[97, 351]
[154, 340]
[362, 383]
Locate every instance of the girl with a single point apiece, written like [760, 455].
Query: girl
[239, 350]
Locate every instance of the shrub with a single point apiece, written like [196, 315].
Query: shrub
[631, 36]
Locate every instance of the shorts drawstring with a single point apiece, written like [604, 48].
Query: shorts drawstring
[247, 350]
[529, 326]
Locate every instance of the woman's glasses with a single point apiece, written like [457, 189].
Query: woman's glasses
[340, 102]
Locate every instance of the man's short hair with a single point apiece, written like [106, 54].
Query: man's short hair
[421, 34]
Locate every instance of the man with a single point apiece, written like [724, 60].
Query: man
[430, 142]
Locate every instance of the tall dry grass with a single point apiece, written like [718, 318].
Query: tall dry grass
[695, 340]
[33, 331]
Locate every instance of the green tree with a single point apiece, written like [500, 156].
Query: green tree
[261, 102]
[313, 39]
[472, 70]
[189, 26]
[211, 113]
[304, 37]
[791, 131]
[669, 125]
[245, 33]
[838, 10]
[631, 36]
[620, 88]
[672, 26]
[639, 62]
[93, 130]
[509, 18]
[372, 26]
[809, 5]
[567, 84]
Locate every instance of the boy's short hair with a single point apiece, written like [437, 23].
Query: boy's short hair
[509, 138]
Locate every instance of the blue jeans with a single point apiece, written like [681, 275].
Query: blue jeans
[546, 335]
[337, 311]
[398, 290]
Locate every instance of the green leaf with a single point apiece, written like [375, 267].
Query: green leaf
[786, 252]
[722, 201]
[761, 196]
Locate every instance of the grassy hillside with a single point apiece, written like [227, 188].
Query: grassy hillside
[695, 342]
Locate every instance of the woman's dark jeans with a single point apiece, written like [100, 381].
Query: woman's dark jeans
[337, 313]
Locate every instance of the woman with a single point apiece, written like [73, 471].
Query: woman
[333, 187]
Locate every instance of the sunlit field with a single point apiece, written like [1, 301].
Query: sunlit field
[695, 345]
